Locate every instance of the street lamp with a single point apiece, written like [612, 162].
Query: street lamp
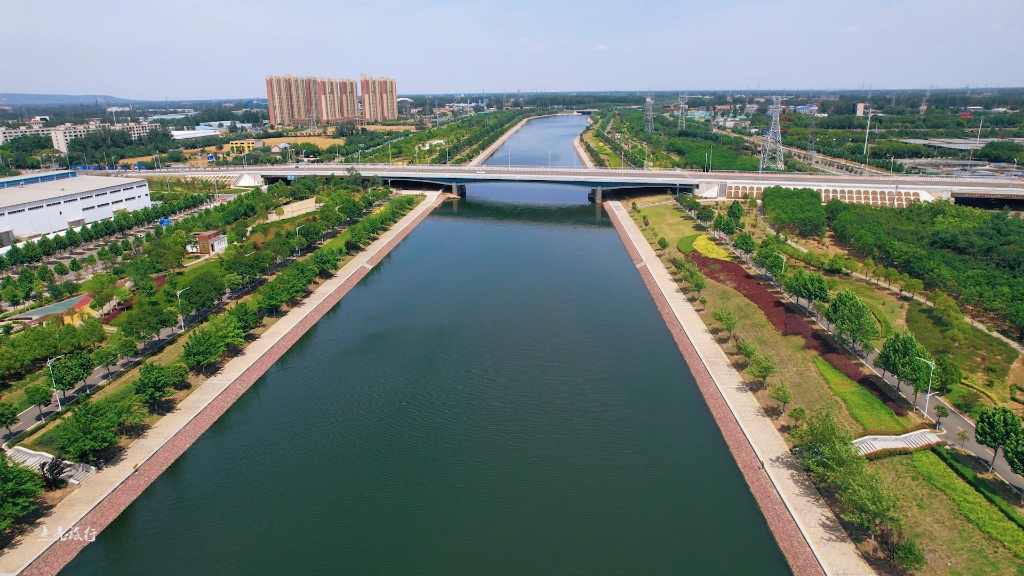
[49, 364]
[180, 315]
[931, 366]
[549, 158]
[783, 257]
[296, 242]
[510, 156]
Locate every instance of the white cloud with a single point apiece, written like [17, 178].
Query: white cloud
[599, 48]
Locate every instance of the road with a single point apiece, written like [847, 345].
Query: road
[31, 416]
[938, 186]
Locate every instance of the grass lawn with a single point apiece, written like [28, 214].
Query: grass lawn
[970, 503]
[865, 407]
[984, 359]
[668, 219]
[953, 545]
[685, 244]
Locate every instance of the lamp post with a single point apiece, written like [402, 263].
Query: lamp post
[931, 369]
[510, 156]
[49, 364]
[783, 262]
[549, 158]
[180, 315]
[296, 242]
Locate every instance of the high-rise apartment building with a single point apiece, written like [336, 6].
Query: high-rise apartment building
[380, 100]
[295, 100]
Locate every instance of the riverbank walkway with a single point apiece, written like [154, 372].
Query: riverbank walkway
[808, 533]
[56, 538]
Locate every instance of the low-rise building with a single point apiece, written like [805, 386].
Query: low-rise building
[52, 202]
[209, 242]
[245, 146]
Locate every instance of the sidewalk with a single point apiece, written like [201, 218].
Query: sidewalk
[818, 529]
[93, 506]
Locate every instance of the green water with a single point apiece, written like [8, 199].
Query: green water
[499, 396]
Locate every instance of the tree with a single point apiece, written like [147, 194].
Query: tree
[8, 417]
[67, 372]
[825, 449]
[246, 314]
[909, 556]
[940, 413]
[852, 318]
[913, 286]
[781, 394]
[662, 243]
[75, 266]
[947, 373]
[157, 382]
[105, 356]
[963, 436]
[39, 396]
[88, 431]
[697, 283]
[798, 415]
[727, 318]
[735, 211]
[19, 487]
[866, 502]
[705, 215]
[995, 428]
[745, 243]
[762, 367]
[204, 290]
[900, 355]
[202, 349]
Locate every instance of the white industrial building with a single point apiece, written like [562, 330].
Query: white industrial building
[51, 202]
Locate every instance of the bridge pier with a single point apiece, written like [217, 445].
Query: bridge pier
[459, 190]
[595, 195]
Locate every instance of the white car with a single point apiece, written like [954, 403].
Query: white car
[480, 172]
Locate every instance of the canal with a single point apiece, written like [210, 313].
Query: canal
[499, 396]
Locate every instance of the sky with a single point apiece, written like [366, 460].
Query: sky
[187, 49]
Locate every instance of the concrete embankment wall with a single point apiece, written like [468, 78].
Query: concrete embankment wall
[91, 508]
[581, 150]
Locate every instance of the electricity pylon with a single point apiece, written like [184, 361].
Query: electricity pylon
[682, 112]
[649, 115]
[771, 153]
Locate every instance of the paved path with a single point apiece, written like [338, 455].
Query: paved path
[821, 532]
[908, 441]
[92, 507]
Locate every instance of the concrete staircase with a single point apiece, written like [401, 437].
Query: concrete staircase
[74, 475]
[910, 441]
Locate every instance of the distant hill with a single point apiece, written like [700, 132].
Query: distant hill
[58, 100]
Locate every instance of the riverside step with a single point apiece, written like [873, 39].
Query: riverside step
[911, 440]
[75, 474]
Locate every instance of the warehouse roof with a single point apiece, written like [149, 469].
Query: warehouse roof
[25, 190]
